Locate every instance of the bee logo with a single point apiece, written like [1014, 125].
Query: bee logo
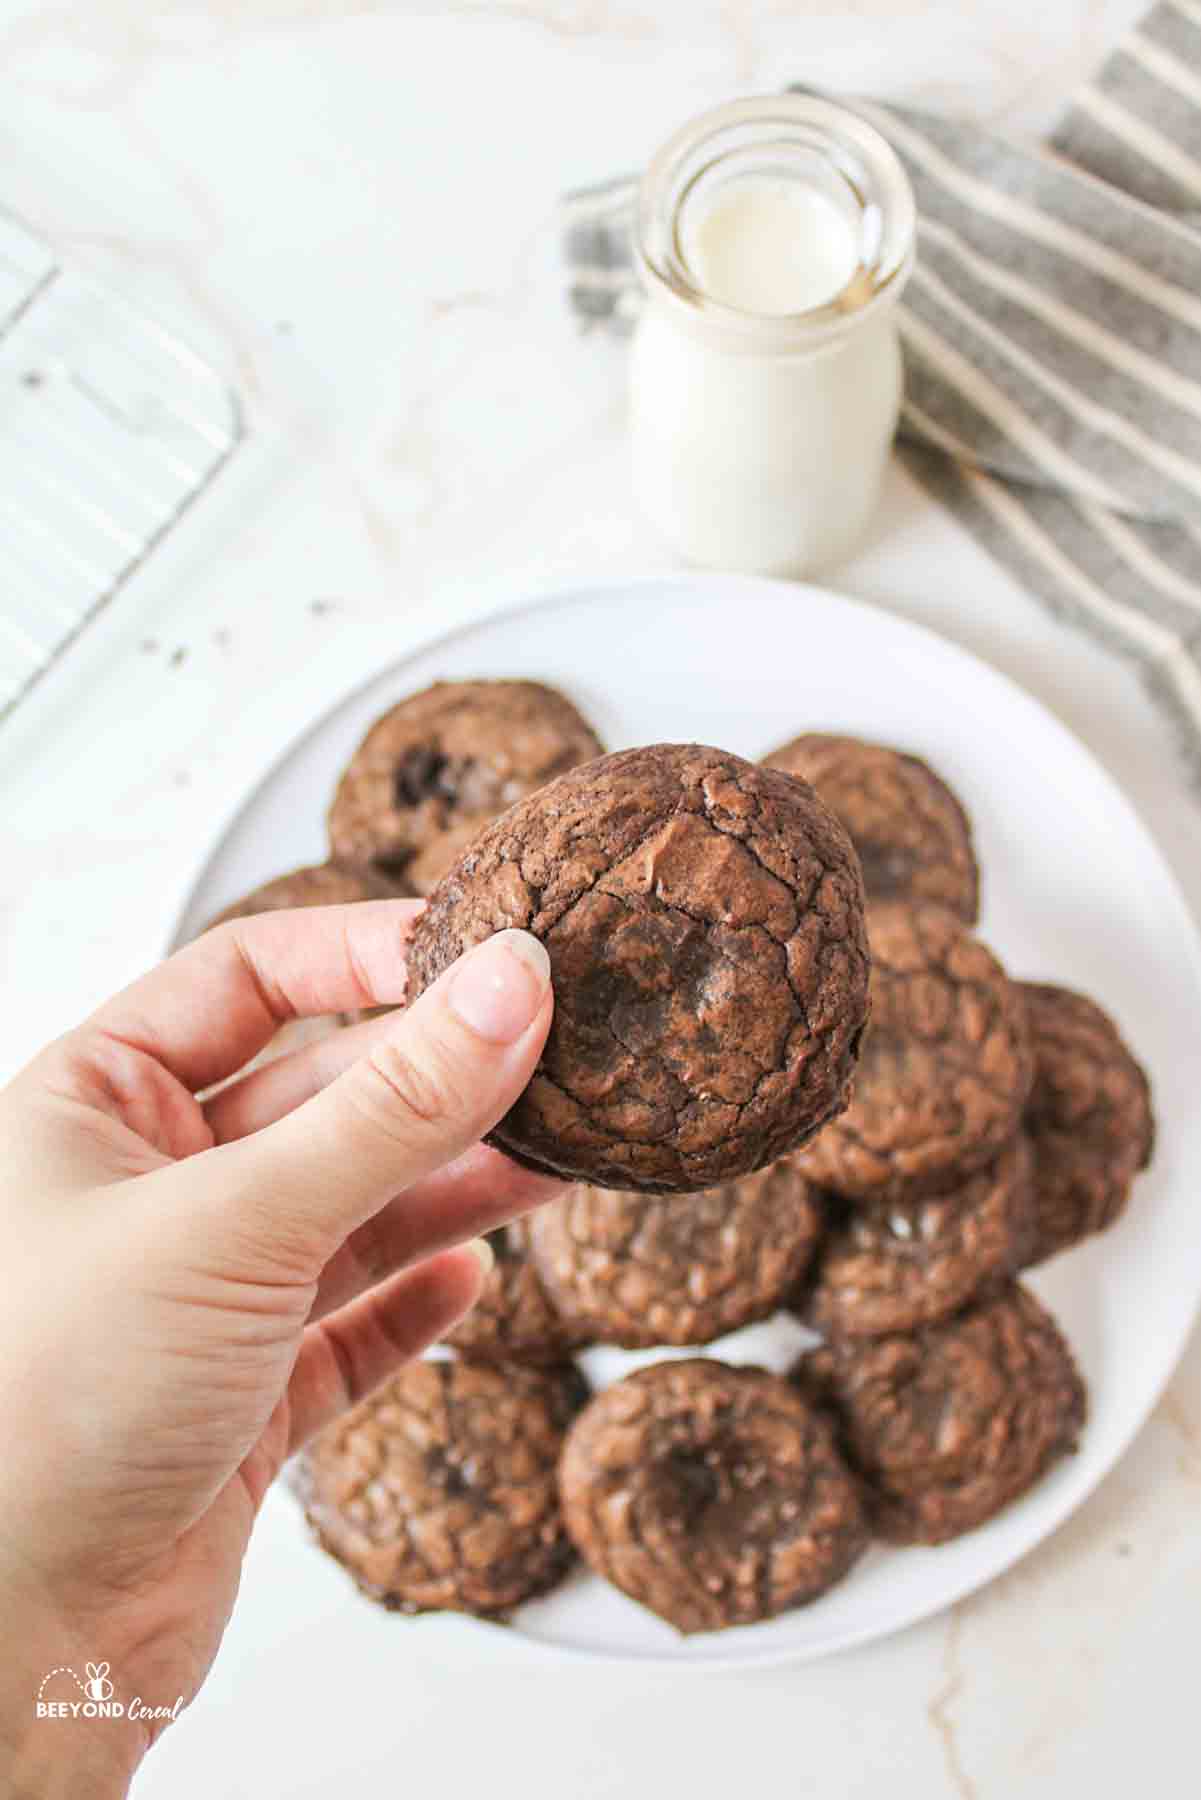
[99, 1687]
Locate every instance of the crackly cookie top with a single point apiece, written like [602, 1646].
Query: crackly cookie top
[946, 1065]
[515, 1319]
[704, 921]
[713, 1495]
[439, 1490]
[644, 1269]
[948, 1425]
[897, 1265]
[912, 835]
[444, 762]
[1089, 1117]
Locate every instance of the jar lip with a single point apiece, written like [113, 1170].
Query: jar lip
[856, 150]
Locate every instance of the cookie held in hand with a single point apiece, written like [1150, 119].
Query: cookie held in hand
[704, 922]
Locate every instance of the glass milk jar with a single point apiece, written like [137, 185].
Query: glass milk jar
[772, 239]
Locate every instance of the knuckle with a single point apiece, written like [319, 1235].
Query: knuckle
[414, 1094]
[372, 1251]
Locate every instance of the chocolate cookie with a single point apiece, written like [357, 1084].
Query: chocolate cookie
[514, 1319]
[643, 1269]
[704, 920]
[948, 1425]
[713, 1495]
[1089, 1117]
[913, 836]
[438, 767]
[322, 884]
[439, 1490]
[946, 1064]
[895, 1267]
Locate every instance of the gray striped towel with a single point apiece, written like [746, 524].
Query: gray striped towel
[1052, 338]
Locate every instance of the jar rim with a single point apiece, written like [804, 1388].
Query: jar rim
[859, 154]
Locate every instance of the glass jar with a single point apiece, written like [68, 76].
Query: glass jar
[772, 239]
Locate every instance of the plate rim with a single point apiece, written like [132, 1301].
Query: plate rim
[368, 651]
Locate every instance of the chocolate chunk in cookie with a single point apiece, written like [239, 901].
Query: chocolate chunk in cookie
[439, 1490]
[438, 767]
[946, 1065]
[704, 920]
[898, 1265]
[515, 1319]
[644, 1269]
[947, 1426]
[1089, 1117]
[913, 836]
[713, 1495]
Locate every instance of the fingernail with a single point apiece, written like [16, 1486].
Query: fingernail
[484, 1255]
[498, 987]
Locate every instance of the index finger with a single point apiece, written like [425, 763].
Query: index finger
[213, 1005]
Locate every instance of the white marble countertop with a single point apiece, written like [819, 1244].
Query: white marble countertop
[352, 204]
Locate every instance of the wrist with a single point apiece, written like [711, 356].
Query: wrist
[68, 1759]
[62, 1731]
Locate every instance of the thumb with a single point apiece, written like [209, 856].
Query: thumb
[454, 1064]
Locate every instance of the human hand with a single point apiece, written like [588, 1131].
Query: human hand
[193, 1288]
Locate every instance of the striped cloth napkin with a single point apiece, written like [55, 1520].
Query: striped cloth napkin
[1052, 339]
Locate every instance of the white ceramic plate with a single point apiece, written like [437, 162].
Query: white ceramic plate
[1074, 891]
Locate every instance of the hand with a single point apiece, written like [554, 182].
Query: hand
[192, 1288]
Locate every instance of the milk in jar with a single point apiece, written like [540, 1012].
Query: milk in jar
[773, 238]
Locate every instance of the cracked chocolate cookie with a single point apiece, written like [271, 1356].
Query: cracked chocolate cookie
[514, 1319]
[913, 836]
[947, 1426]
[946, 1064]
[1089, 1117]
[901, 1265]
[439, 1490]
[715, 1496]
[437, 768]
[704, 920]
[644, 1269]
[323, 884]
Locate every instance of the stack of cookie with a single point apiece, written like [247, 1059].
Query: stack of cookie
[994, 1124]
[708, 930]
